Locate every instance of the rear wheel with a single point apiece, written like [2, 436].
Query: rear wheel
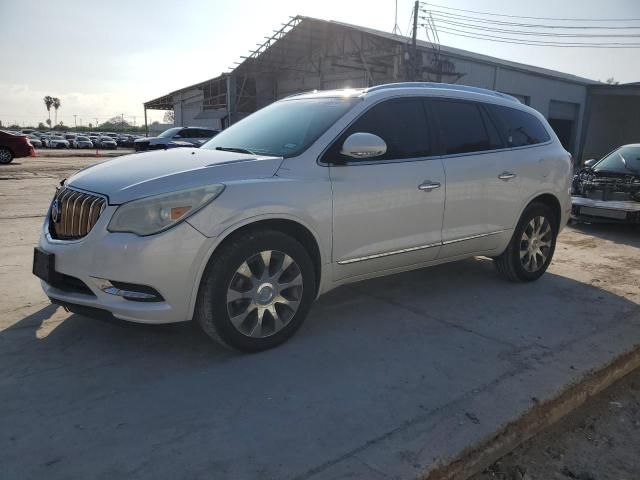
[5, 155]
[531, 248]
[256, 291]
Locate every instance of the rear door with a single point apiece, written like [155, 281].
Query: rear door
[387, 211]
[482, 181]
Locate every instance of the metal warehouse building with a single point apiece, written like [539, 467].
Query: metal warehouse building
[308, 53]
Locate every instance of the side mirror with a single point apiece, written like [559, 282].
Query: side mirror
[590, 163]
[363, 145]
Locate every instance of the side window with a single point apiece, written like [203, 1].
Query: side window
[518, 128]
[465, 128]
[400, 122]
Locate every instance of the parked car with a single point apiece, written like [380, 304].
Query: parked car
[106, 143]
[94, 139]
[83, 142]
[14, 146]
[125, 141]
[194, 135]
[35, 140]
[608, 190]
[311, 192]
[71, 138]
[57, 141]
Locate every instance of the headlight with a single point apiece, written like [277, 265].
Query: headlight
[154, 214]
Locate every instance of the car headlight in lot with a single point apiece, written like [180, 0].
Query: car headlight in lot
[154, 214]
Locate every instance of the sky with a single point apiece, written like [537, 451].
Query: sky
[105, 58]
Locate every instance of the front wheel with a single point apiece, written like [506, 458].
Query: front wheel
[256, 291]
[5, 155]
[531, 248]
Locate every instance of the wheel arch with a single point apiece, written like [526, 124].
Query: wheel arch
[551, 201]
[290, 226]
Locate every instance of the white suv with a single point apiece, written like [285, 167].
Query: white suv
[312, 192]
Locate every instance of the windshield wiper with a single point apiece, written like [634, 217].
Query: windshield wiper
[235, 149]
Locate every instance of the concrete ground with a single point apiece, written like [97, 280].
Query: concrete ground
[388, 378]
[81, 152]
[598, 441]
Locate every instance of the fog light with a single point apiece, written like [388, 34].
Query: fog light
[129, 291]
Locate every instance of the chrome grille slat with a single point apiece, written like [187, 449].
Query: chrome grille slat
[78, 213]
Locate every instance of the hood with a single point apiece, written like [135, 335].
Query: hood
[140, 175]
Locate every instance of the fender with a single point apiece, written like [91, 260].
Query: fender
[216, 241]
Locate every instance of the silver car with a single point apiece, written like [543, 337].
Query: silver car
[310, 193]
[82, 142]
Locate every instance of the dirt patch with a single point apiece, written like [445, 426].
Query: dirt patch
[598, 441]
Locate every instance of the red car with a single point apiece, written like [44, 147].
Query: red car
[14, 146]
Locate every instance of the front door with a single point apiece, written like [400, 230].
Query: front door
[387, 211]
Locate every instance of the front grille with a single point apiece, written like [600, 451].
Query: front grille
[73, 214]
[141, 146]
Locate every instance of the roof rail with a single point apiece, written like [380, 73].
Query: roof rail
[442, 86]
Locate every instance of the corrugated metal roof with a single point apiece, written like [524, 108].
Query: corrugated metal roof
[465, 54]
[163, 101]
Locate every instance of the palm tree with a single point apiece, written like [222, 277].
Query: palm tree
[56, 105]
[48, 101]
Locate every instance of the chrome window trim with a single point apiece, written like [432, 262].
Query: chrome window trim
[419, 247]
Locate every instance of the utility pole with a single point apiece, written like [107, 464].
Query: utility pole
[396, 27]
[96, 122]
[122, 116]
[414, 47]
[75, 121]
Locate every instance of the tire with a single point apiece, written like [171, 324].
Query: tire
[6, 156]
[227, 277]
[515, 267]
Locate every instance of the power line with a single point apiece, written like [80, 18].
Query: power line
[458, 17]
[534, 18]
[525, 32]
[499, 39]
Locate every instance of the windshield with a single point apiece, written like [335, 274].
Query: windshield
[170, 133]
[283, 129]
[624, 160]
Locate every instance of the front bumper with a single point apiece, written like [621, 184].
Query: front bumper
[605, 211]
[170, 262]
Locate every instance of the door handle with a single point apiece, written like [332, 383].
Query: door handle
[506, 176]
[428, 186]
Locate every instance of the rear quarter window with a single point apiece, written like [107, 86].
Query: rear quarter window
[518, 128]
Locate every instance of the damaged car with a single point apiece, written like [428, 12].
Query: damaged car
[608, 190]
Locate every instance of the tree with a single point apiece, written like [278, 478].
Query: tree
[612, 81]
[90, 125]
[56, 105]
[49, 122]
[41, 126]
[48, 102]
[169, 116]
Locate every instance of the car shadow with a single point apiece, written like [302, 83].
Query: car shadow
[86, 398]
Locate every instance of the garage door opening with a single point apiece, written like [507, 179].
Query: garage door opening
[563, 118]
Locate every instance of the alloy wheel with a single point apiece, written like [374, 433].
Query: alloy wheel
[264, 294]
[5, 155]
[535, 244]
